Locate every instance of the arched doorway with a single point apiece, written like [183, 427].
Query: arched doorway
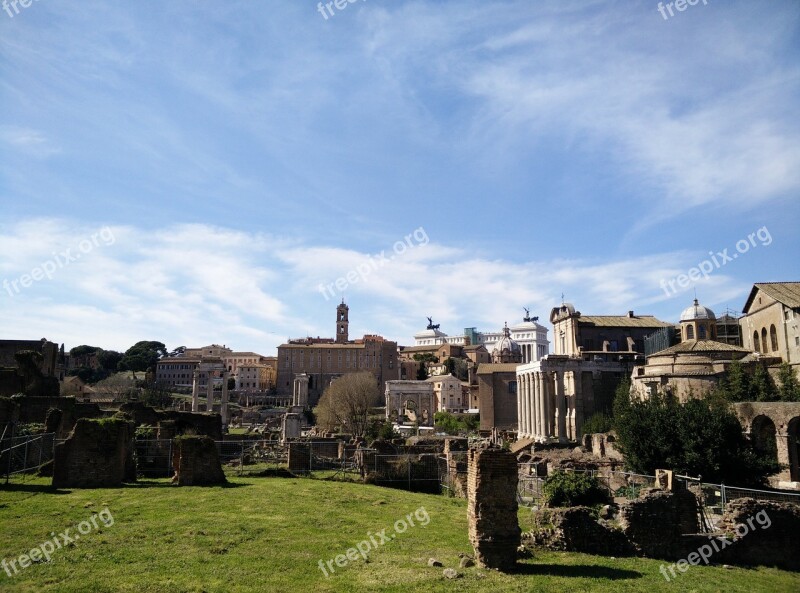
[793, 432]
[762, 435]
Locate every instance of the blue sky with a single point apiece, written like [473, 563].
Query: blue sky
[245, 155]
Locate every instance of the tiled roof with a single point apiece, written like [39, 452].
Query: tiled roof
[787, 293]
[500, 367]
[700, 346]
[622, 321]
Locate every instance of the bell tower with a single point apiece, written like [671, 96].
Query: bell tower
[342, 332]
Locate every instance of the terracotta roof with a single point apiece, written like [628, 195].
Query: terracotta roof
[700, 346]
[423, 348]
[622, 321]
[787, 293]
[500, 367]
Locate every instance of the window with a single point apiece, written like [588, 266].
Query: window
[773, 338]
[512, 387]
[764, 339]
[756, 345]
[690, 332]
[701, 331]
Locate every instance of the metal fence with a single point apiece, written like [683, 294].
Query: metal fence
[713, 497]
[419, 471]
[23, 454]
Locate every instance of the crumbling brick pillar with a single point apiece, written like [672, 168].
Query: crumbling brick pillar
[492, 507]
[196, 462]
[97, 454]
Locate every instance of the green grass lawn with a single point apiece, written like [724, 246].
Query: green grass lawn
[268, 534]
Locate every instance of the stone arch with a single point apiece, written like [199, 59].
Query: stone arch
[689, 332]
[756, 344]
[793, 434]
[773, 338]
[763, 435]
[764, 343]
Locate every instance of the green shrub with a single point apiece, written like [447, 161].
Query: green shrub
[600, 422]
[568, 489]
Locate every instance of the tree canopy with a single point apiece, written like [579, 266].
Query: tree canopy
[739, 385]
[142, 356]
[346, 402]
[699, 438]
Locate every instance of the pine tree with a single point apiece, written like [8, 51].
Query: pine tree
[763, 387]
[737, 383]
[788, 385]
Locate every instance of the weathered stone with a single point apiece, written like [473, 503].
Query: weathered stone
[196, 462]
[763, 533]
[96, 454]
[576, 530]
[466, 562]
[492, 507]
[657, 522]
[450, 573]
[434, 562]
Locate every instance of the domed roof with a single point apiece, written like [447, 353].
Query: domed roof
[506, 343]
[697, 311]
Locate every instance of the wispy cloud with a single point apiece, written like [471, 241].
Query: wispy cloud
[191, 284]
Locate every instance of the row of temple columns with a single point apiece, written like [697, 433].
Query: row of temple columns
[210, 392]
[543, 408]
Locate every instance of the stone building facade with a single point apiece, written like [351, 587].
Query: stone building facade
[600, 337]
[497, 396]
[695, 365]
[325, 359]
[449, 394]
[770, 321]
[530, 335]
[558, 393]
[412, 400]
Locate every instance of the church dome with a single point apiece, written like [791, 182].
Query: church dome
[506, 350]
[697, 312]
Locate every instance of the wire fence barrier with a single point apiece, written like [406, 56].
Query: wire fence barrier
[22, 454]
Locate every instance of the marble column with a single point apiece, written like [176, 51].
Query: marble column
[561, 408]
[195, 390]
[578, 403]
[533, 405]
[547, 398]
[210, 392]
[522, 394]
[224, 404]
[540, 399]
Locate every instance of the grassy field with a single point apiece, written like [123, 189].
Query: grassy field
[269, 534]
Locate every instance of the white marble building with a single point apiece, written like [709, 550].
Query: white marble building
[531, 337]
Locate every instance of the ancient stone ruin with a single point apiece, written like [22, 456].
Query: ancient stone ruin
[196, 462]
[96, 454]
[492, 507]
